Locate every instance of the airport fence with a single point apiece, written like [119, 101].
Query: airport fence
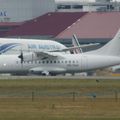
[37, 95]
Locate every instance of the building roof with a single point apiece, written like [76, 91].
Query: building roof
[93, 25]
[49, 24]
[7, 26]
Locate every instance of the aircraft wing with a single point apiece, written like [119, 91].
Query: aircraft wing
[45, 55]
[76, 47]
[85, 46]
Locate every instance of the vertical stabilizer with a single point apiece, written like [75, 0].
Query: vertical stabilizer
[75, 43]
[112, 48]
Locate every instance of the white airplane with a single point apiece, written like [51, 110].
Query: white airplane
[13, 46]
[56, 63]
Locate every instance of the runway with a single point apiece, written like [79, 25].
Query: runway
[76, 77]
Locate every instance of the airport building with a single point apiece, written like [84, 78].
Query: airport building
[90, 27]
[14, 13]
[86, 5]
[51, 19]
[23, 10]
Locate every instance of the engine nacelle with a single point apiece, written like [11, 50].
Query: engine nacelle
[29, 56]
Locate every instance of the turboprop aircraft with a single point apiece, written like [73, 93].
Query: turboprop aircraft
[56, 63]
[13, 46]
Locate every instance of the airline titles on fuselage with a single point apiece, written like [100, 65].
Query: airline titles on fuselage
[43, 47]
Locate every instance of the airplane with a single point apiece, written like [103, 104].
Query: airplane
[53, 63]
[15, 46]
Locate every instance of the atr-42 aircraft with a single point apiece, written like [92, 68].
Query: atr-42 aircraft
[43, 62]
[15, 46]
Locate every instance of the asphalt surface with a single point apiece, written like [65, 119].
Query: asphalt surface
[9, 77]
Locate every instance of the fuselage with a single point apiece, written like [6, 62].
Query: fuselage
[63, 64]
[14, 46]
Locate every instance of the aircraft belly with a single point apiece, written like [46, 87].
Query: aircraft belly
[49, 69]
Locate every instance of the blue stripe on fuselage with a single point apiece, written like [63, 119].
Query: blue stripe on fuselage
[5, 47]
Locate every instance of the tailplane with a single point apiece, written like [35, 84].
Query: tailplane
[75, 43]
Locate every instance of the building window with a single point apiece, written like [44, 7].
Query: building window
[77, 6]
[64, 7]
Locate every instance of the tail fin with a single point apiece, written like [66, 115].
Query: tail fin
[111, 48]
[76, 43]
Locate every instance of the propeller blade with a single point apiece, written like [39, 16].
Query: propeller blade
[21, 57]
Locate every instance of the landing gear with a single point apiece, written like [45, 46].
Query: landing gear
[73, 74]
[52, 74]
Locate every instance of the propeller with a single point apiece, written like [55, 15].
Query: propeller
[21, 57]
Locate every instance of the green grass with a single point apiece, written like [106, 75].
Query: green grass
[53, 99]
